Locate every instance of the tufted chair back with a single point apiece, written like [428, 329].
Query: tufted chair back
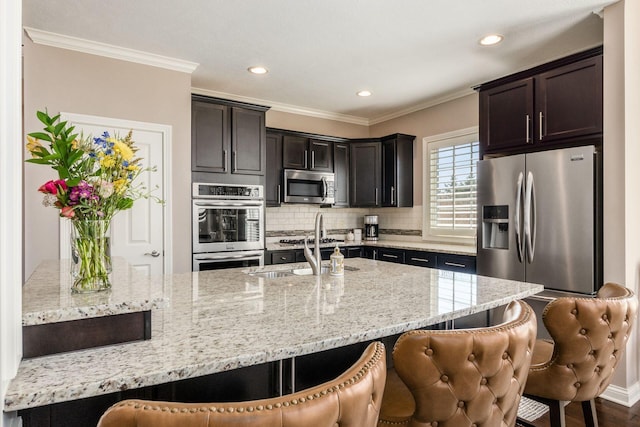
[589, 337]
[461, 378]
[351, 400]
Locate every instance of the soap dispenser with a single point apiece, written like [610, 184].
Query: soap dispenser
[337, 263]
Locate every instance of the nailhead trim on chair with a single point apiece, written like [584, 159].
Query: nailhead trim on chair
[379, 352]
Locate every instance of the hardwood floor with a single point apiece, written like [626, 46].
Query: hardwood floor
[609, 415]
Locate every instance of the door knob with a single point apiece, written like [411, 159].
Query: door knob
[154, 254]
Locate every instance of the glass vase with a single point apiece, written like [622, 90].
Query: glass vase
[90, 255]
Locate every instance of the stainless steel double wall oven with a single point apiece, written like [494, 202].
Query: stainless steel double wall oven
[227, 226]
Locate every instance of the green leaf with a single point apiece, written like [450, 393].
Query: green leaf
[38, 161]
[41, 135]
[59, 127]
[124, 204]
[44, 117]
[73, 182]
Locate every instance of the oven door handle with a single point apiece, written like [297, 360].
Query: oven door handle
[226, 203]
[222, 256]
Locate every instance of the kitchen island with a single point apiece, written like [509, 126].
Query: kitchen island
[222, 320]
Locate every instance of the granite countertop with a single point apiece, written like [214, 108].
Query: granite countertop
[226, 319]
[47, 296]
[399, 244]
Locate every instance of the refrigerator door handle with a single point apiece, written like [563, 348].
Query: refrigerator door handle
[516, 219]
[530, 217]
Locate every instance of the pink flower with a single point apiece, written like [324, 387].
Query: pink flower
[52, 187]
[67, 212]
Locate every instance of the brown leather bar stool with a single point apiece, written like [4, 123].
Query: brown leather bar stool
[351, 400]
[461, 378]
[589, 337]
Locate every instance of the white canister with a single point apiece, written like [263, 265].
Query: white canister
[336, 263]
[357, 234]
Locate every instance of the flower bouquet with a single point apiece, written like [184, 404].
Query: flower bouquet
[95, 181]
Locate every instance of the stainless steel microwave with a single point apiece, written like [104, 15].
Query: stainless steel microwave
[301, 186]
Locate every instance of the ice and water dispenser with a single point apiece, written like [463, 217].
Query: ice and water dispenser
[495, 227]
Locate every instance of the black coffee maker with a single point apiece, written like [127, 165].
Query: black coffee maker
[371, 227]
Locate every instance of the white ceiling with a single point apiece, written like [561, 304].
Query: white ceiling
[409, 53]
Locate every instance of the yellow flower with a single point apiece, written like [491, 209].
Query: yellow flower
[125, 151]
[107, 162]
[33, 144]
[120, 185]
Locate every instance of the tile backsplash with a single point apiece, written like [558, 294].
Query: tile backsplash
[299, 219]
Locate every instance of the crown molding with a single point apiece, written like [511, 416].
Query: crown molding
[110, 51]
[418, 107]
[285, 108]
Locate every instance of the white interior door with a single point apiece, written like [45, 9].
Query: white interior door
[140, 234]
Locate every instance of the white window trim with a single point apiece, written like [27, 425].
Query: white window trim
[426, 193]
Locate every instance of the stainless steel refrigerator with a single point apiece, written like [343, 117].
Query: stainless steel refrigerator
[539, 219]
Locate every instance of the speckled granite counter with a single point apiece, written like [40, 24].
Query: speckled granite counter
[47, 296]
[225, 319]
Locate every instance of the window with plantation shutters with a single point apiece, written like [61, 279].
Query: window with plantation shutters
[450, 185]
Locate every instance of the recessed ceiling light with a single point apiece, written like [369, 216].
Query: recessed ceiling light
[364, 93]
[258, 70]
[491, 39]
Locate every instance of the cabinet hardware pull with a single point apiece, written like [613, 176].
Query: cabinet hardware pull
[528, 123]
[540, 124]
[305, 158]
[235, 161]
[376, 196]
[419, 259]
[224, 160]
[278, 193]
[390, 256]
[313, 159]
[283, 258]
[454, 264]
[393, 195]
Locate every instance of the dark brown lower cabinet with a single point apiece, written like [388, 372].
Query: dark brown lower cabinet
[250, 383]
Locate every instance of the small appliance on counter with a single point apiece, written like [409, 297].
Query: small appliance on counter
[371, 227]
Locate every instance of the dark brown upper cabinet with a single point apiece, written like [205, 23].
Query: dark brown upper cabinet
[227, 137]
[397, 171]
[299, 152]
[341, 172]
[366, 173]
[273, 179]
[555, 104]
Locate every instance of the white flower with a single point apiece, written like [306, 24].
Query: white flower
[49, 200]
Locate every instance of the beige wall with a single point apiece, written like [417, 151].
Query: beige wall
[73, 82]
[449, 116]
[300, 123]
[621, 172]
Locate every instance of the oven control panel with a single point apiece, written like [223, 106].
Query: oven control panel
[227, 191]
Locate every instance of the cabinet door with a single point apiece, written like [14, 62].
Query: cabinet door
[389, 185]
[294, 152]
[506, 116]
[569, 101]
[209, 137]
[341, 172]
[391, 255]
[461, 263]
[369, 252]
[283, 257]
[365, 174]
[247, 141]
[397, 171]
[320, 155]
[420, 258]
[353, 252]
[273, 179]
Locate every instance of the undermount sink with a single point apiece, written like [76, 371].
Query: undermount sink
[271, 274]
[274, 274]
[324, 270]
[308, 271]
